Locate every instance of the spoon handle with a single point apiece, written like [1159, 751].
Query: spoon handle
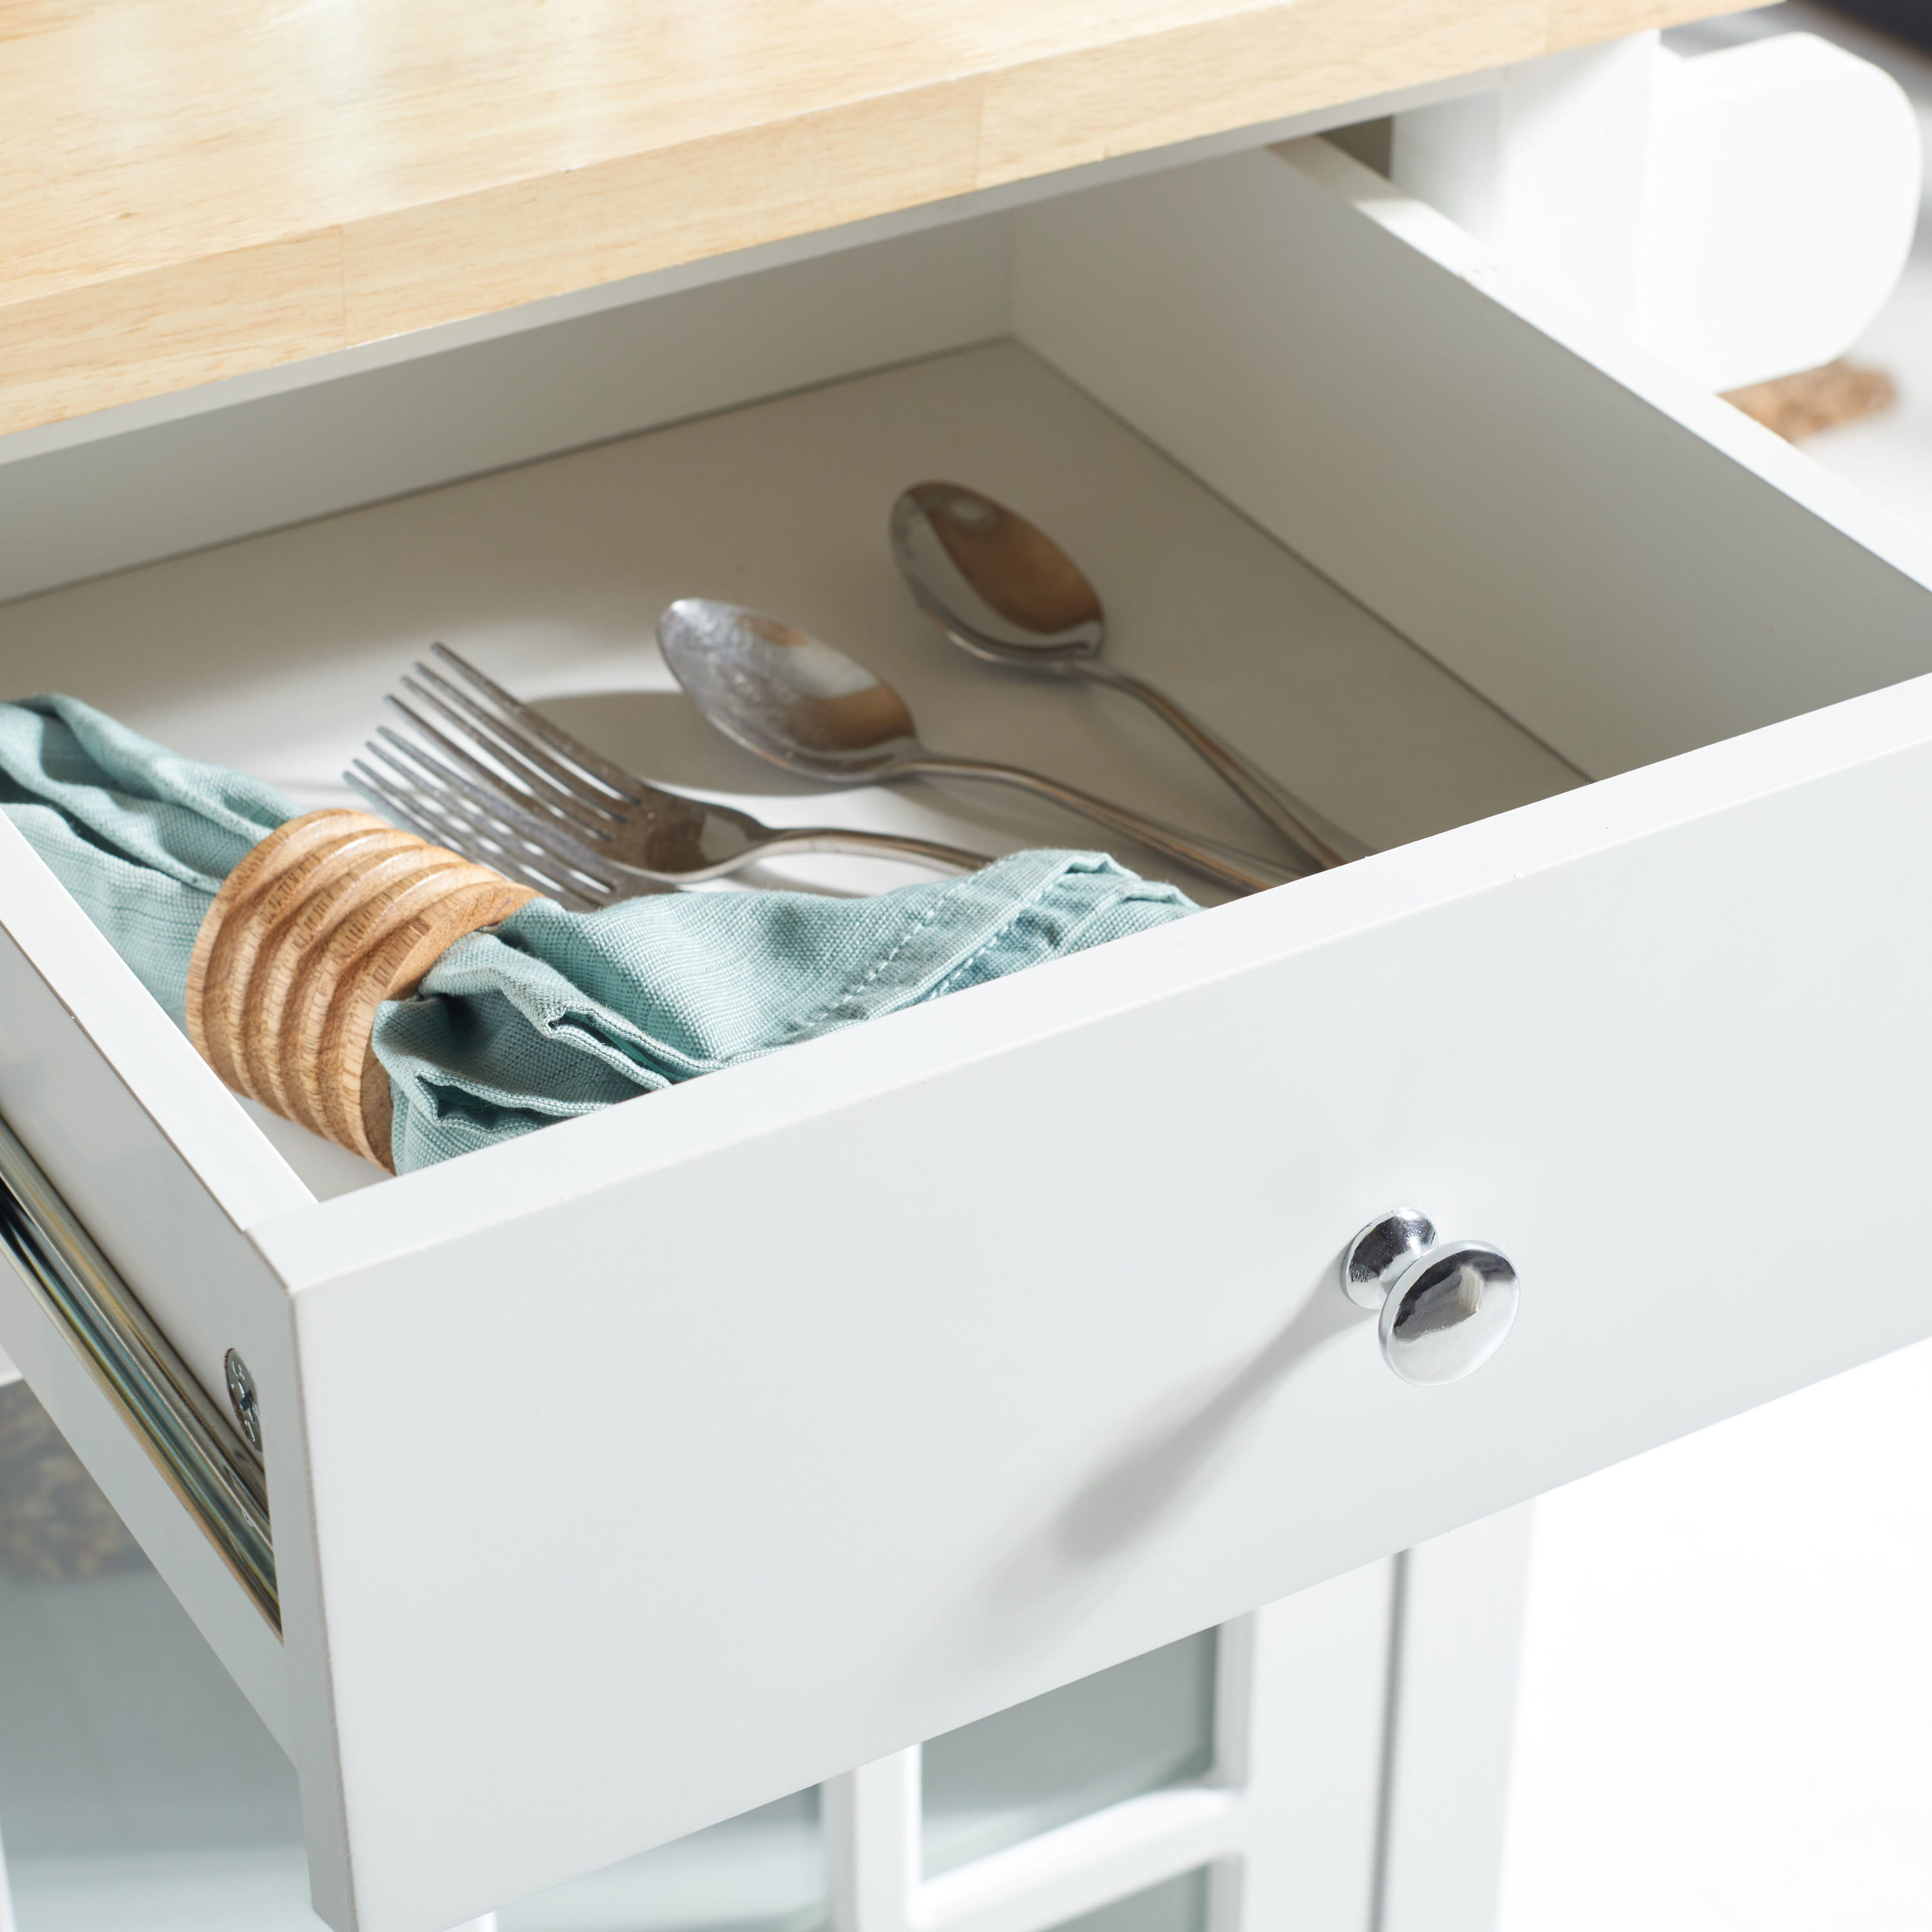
[1298, 822]
[1209, 856]
[868, 844]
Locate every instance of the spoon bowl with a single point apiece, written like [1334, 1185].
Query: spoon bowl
[999, 585]
[784, 693]
[803, 704]
[1001, 589]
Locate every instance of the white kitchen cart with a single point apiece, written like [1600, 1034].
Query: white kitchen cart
[667, 1462]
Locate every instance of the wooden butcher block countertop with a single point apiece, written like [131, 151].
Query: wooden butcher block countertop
[196, 189]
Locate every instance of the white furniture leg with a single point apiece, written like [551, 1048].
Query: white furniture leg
[870, 1818]
[1460, 1600]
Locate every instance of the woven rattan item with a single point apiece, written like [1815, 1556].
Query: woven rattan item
[329, 916]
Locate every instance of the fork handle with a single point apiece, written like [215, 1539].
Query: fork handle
[835, 838]
[1242, 870]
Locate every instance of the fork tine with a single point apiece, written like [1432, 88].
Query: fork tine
[516, 771]
[393, 802]
[449, 816]
[494, 794]
[547, 840]
[506, 738]
[441, 820]
[624, 783]
[486, 846]
[444, 807]
[418, 814]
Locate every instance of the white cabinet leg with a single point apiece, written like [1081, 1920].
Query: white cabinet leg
[1460, 1602]
[870, 1821]
[1303, 1720]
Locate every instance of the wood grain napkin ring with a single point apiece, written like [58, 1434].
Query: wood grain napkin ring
[329, 916]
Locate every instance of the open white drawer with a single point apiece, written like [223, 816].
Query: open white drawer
[671, 1459]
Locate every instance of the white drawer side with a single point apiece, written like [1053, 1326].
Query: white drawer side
[1626, 566]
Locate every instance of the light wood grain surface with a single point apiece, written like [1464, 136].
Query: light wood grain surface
[198, 189]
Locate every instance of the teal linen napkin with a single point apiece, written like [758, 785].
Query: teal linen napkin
[141, 838]
[553, 1013]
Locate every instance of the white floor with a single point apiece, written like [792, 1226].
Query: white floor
[1725, 1721]
[1725, 1716]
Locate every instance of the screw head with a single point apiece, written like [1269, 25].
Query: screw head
[241, 1399]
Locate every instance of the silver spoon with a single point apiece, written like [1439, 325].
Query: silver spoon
[797, 700]
[1002, 588]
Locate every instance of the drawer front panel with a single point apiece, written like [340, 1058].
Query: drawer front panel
[896, 1379]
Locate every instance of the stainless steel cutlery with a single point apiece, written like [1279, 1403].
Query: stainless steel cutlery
[1001, 589]
[474, 768]
[477, 770]
[804, 704]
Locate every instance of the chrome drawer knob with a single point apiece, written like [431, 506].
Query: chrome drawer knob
[1446, 1306]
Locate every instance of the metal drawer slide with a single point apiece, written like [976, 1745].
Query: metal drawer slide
[206, 1463]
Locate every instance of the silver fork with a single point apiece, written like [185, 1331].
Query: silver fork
[498, 782]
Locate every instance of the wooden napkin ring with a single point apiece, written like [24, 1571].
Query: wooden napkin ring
[329, 916]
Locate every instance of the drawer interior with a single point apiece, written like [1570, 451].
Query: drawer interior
[1422, 547]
